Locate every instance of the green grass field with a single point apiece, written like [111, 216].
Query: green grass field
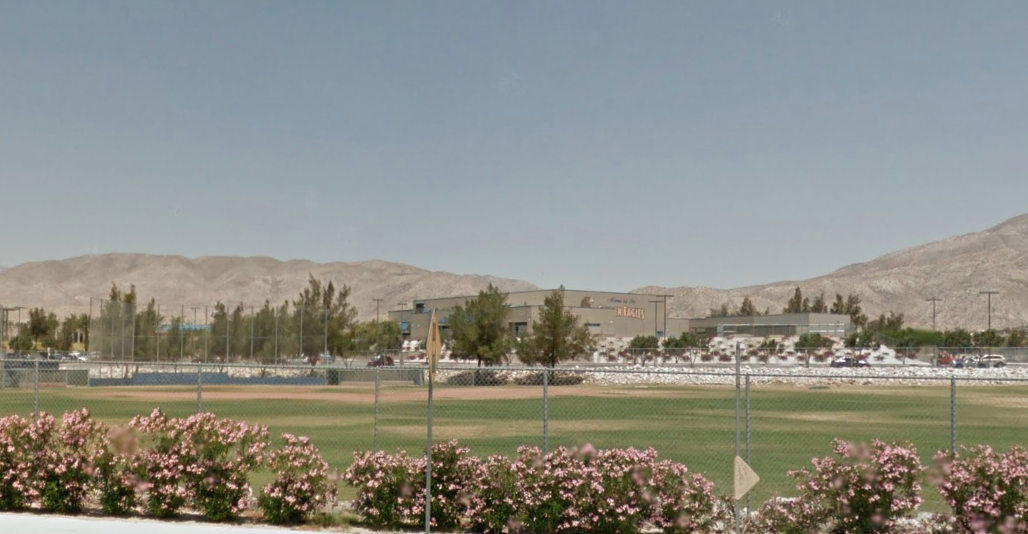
[695, 425]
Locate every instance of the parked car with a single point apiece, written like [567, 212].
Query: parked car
[849, 361]
[964, 362]
[945, 360]
[991, 360]
[381, 360]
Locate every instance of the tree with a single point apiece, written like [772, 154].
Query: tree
[813, 341]
[795, 304]
[556, 336]
[322, 316]
[852, 309]
[723, 311]
[849, 306]
[145, 333]
[693, 340]
[72, 325]
[117, 322]
[42, 327]
[819, 305]
[989, 338]
[839, 306]
[1016, 338]
[886, 325]
[21, 342]
[747, 308]
[480, 328]
[673, 343]
[374, 335]
[958, 338]
[643, 342]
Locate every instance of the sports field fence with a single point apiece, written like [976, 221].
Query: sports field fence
[775, 420]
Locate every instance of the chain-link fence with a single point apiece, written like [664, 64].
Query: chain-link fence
[688, 415]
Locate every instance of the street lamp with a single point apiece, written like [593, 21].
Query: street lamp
[989, 294]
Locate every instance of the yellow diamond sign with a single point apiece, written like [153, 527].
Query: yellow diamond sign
[745, 478]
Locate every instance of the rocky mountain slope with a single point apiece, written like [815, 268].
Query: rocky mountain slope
[65, 286]
[955, 270]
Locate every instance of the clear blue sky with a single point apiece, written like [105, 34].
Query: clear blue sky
[603, 145]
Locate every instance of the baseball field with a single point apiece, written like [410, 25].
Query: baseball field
[693, 424]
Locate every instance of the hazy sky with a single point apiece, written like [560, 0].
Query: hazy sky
[602, 145]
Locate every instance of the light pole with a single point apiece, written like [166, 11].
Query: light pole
[989, 294]
[655, 330]
[403, 308]
[378, 324]
[933, 300]
[665, 314]
[3, 325]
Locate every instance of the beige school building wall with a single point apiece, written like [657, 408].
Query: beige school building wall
[605, 313]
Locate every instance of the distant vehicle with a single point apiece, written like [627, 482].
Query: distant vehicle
[849, 361]
[381, 360]
[991, 360]
[945, 360]
[966, 361]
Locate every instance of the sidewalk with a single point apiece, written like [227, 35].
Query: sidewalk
[29, 523]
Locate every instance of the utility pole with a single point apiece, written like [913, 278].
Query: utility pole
[933, 300]
[378, 302]
[989, 294]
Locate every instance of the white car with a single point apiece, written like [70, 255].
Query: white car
[991, 360]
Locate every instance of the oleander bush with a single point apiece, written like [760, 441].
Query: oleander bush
[987, 490]
[862, 489]
[615, 491]
[158, 465]
[16, 463]
[65, 456]
[302, 486]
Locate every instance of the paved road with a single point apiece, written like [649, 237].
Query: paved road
[48, 524]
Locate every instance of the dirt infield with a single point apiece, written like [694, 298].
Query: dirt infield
[364, 394]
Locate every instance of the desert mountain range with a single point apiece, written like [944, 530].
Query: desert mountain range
[954, 269]
[65, 286]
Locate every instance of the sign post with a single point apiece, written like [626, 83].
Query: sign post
[435, 347]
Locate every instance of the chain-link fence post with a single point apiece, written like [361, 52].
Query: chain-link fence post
[952, 415]
[378, 381]
[428, 458]
[546, 412]
[738, 388]
[199, 388]
[748, 460]
[35, 392]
